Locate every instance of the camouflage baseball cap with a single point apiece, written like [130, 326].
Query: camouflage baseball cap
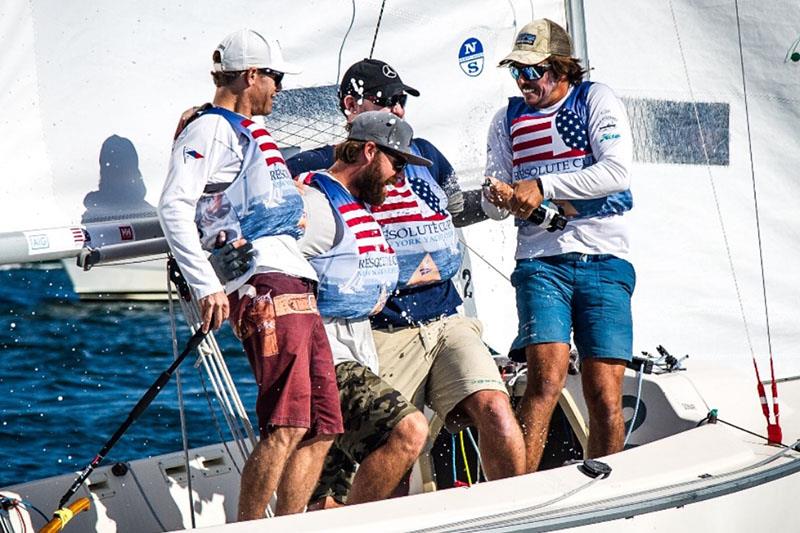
[537, 41]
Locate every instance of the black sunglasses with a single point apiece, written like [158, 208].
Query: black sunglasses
[276, 76]
[395, 158]
[387, 101]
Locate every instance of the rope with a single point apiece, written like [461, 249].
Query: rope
[773, 430]
[344, 39]
[377, 27]
[453, 457]
[181, 406]
[464, 456]
[474, 524]
[711, 417]
[132, 262]
[636, 408]
[145, 498]
[478, 453]
[216, 421]
[471, 249]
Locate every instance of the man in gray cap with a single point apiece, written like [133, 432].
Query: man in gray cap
[357, 270]
[568, 142]
[271, 303]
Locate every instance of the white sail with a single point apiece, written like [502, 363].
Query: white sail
[685, 296]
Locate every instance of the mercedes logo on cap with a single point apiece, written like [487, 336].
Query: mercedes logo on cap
[388, 72]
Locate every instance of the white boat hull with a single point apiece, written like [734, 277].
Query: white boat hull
[145, 279]
[678, 476]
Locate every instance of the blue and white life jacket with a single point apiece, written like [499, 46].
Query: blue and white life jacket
[548, 143]
[357, 275]
[261, 201]
[419, 228]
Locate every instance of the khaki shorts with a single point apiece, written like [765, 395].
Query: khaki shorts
[438, 364]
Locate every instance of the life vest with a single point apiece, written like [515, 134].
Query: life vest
[356, 275]
[558, 142]
[261, 201]
[419, 228]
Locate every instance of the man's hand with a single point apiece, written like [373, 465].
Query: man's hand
[214, 310]
[188, 116]
[527, 197]
[232, 260]
[498, 192]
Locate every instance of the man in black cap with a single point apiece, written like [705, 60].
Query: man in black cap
[426, 350]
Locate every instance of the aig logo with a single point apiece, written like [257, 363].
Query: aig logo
[470, 57]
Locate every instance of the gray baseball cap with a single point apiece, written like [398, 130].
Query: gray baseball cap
[387, 131]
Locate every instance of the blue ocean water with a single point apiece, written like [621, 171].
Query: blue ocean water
[72, 370]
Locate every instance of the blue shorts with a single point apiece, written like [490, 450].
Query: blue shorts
[589, 295]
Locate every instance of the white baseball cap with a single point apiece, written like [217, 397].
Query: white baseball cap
[246, 48]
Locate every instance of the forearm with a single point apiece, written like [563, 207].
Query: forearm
[177, 222]
[606, 177]
[472, 210]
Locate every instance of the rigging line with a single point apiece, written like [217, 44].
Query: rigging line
[216, 421]
[753, 179]
[792, 50]
[134, 262]
[474, 524]
[344, 39]
[181, 405]
[514, 17]
[145, 498]
[471, 249]
[377, 27]
[712, 182]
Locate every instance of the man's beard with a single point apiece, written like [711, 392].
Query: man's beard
[371, 186]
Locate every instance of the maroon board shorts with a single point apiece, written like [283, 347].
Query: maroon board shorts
[276, 319]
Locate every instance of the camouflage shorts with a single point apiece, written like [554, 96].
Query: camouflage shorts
[371, 408]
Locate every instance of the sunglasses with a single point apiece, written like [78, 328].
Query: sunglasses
[276, 76]
[529, 72]
[396, 159]
[387, 101]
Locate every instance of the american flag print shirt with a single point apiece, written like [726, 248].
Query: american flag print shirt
[417, 225]
[357, 275]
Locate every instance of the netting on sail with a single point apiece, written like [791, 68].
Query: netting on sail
[306, 118]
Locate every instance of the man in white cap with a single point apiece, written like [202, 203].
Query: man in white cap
[566, 141]
[228, 180]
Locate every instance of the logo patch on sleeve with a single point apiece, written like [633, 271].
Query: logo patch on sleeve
[191, 153]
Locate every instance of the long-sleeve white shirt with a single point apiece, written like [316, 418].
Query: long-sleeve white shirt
[210, 151]
[611, 143]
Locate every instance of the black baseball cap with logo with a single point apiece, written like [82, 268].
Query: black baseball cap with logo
[370, 77]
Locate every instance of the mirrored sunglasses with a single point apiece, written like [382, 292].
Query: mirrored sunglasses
[529, 72]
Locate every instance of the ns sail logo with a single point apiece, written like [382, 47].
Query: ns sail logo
[470, 57]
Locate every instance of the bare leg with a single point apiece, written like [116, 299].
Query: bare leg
[501, 443]
[263, 471]
[547, 374]
[602, 388]
[381, 472]
[302, 474]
